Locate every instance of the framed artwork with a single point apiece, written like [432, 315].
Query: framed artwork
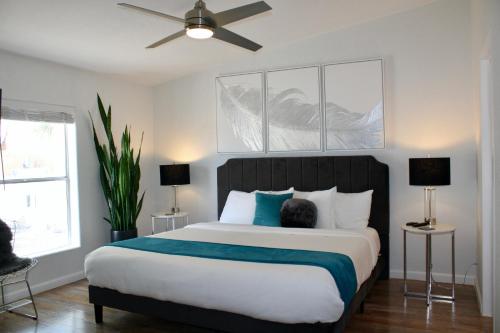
[354, 105]
[293, 110]
[240, 113]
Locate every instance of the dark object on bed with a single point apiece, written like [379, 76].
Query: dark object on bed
[349, 173]
[299, 213]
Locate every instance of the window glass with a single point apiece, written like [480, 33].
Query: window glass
[39, 198]
[38, 215]
[33, 149]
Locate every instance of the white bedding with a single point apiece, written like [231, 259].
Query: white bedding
[277, 292]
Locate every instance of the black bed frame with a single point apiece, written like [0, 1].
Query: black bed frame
[349, 173]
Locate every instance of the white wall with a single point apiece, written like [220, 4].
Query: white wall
[495, 51]
[427, 56]
[40, 81]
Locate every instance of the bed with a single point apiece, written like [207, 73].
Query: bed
[233, 296]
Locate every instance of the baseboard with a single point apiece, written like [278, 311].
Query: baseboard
[439, 277]
[18, 293]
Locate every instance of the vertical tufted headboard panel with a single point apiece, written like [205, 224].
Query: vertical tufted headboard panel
[349, 173]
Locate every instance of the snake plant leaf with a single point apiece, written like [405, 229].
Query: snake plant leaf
[119, 174]
[139, 206]
[106, 121]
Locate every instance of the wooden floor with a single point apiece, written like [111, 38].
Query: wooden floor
[66, 309]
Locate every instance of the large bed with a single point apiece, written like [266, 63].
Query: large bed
[245, 296]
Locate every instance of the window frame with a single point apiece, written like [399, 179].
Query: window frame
[72, 203]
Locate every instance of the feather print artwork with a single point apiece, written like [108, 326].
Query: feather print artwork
[354, 105]
[353, 109]
[352, 130]
[239, 113]
[293, 108]
[293, 123]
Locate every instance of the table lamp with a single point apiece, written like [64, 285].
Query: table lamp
[174, 175]
[430, 172]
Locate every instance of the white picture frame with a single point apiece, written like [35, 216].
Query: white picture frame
[240, 113]
[293, 105]
[354, 105]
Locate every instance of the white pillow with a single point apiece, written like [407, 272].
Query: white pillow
[352, 210]
[324, 201]
[290, 190]
[239, 208]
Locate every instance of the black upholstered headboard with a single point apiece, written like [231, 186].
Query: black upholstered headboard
[348, 173]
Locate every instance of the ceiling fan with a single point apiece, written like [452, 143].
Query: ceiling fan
[200, 23]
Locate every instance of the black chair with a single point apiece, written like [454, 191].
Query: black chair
[16, 272]
[13, 271]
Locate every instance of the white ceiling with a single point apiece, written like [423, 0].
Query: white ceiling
[100, 36]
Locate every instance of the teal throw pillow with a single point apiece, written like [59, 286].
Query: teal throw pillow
[268, 207]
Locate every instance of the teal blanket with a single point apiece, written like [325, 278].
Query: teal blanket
[339, 265]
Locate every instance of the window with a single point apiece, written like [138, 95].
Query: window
[38, 198]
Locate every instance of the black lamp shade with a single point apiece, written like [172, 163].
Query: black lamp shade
[430, 171]
[174, 174]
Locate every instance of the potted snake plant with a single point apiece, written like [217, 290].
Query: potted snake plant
[120, 175]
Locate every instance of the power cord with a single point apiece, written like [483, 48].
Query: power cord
[448, 288]
[467, 271]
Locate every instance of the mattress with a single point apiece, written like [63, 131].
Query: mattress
[277, 292]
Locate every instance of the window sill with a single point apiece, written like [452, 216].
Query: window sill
[54, 251]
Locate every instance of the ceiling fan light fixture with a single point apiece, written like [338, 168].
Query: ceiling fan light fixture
[201, 23]
[199, 32]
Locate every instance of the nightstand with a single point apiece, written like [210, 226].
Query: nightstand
[438, 229]
[170, 219]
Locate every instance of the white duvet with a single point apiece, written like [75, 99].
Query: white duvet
[276, 292]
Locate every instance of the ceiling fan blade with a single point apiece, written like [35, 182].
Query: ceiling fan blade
[152, 12]
[167, 39]
[230, 37]
[239, 13]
